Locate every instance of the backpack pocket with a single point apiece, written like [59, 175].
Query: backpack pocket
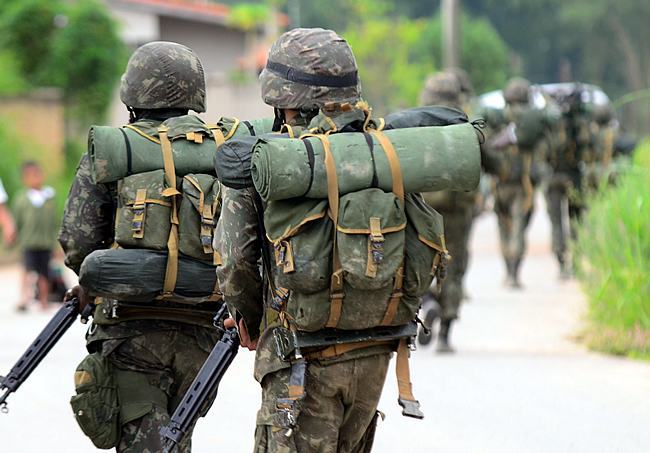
[425, 246]
[301, 234]
[143, 215]
[198, 213]
[370, 238]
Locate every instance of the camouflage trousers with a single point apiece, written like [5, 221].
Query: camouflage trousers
[166, 362]
[563, 210]
[338, 412]
[458, 224]
[513, 206]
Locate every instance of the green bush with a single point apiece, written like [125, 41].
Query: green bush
[11, 159]
[613, 258]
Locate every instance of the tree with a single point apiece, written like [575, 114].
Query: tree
[28, 28]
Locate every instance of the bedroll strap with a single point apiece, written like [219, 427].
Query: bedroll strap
[410, 406]
[336, 282]
[172, 192]
[398, 190]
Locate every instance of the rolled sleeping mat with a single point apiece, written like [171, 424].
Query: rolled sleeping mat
[117, 152]
[431, 159]
[137, 275]
[431, 115]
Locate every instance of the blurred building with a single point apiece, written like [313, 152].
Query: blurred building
[230, 54]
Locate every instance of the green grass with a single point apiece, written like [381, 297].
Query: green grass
[613, 260]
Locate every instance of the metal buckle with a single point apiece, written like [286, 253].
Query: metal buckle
[411, 408]
[286, 413]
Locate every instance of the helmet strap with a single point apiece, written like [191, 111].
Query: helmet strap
[278, 120]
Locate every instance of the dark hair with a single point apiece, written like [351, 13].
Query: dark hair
[30, 164]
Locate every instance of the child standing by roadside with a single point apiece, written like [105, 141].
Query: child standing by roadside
[36, 225]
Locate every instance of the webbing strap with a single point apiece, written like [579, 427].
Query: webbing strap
[411, 407]
[398, 190]
[336, 350]
[139, 209]
[336, 282]
[393, 161]
[171, 273]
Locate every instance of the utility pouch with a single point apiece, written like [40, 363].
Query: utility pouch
[96, 404]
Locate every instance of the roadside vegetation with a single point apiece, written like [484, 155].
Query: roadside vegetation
[613, 258]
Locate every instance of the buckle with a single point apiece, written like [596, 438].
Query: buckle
[286, 413]
[411, 408]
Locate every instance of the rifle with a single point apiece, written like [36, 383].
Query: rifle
[37, 351]
[204, 386]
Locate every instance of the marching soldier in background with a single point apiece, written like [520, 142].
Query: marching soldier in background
[568, 161]
[444, 88]
[518, 131]
[140, 365]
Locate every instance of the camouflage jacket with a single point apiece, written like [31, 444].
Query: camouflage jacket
[238, 239]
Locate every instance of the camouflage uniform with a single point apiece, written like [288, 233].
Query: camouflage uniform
[166, 354]
[565, 183]
[456, 208]
[514, 188]
[339, 410]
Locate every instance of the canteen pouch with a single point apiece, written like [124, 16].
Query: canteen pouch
[198, 213]
[96, 404]
[143, 213]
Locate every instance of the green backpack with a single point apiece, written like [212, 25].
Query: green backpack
[355, 261]
[168, 197]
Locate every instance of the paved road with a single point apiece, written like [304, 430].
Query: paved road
[518, 383]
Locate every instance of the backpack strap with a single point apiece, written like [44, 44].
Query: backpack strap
[336, 283]
[172, 192]
[410, 406]
[398, 190]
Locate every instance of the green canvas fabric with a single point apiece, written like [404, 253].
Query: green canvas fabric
[193, 240]
[303, 238]
[431, 158]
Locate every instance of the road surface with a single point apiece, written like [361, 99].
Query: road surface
[519, 382]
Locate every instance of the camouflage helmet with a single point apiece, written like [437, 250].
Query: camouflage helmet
[441, 88]
[603, 114]
[517, 91]
[308, 68]
[466, 87]
[163, 75]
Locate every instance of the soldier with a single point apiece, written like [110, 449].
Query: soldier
[514, 191]
[565, 183]
[456, 208]
[151, 357]
[311, 81]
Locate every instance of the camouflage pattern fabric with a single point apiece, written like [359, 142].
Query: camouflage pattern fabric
[313, 51]
[167, 354]
[88, 217]
[446, 88]
[338, 413]
[458, 224]
[163, 75]
[513, 214]
[169, 357]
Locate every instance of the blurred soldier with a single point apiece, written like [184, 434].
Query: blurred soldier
[151, 355]
[567, 160]
[605, 130]
[518, 132]
[330, 404]
[456, 208]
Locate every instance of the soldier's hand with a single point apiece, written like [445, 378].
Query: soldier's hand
[244, 339]
[78, 292]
